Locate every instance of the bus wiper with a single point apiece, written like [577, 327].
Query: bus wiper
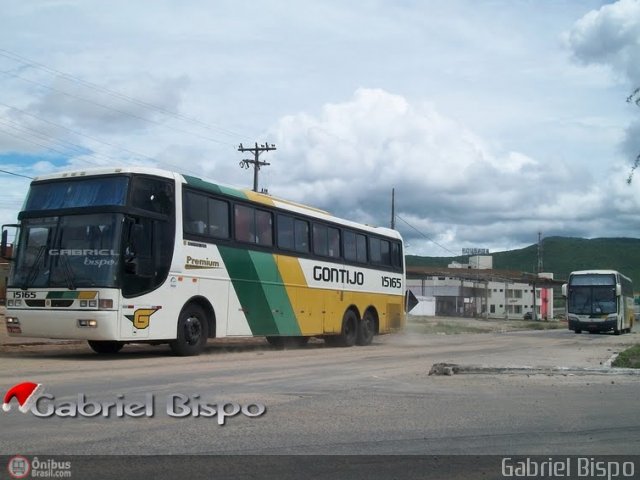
[68, 272]
[35, 269]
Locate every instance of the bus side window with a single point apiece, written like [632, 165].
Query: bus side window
[245, 226]
[195, 210]
[218, 218]
[361, 248]
[374, 250]
[264, 228]
[302, 236]
[285, 232]
[153, 195]
[334, 242]
[320, 246]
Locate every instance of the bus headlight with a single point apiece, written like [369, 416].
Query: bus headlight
[12, 321]
[9, 303]
[87, 323]
[17, 303]
[93, 303]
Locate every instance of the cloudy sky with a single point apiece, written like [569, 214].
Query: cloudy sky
[493, 120]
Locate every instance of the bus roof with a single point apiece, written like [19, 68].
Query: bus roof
[598, 272]
[222, 189]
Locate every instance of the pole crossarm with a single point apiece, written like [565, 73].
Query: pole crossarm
[256, 162]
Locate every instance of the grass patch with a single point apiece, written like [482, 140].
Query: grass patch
[444, 328]
[630, 358]
[454, 325]
[541, 325]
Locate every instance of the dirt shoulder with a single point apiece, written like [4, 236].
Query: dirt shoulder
[454, 325]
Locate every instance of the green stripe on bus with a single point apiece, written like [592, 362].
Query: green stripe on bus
[246, 284]
[213, 188]
[276, 293]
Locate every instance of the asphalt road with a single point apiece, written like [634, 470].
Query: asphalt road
[319, 400]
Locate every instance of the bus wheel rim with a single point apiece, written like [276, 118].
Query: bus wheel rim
[193, 330]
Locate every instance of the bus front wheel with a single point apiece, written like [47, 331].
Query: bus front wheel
[105, 347]
[191, 336]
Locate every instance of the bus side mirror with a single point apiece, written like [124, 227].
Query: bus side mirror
[6, 250]
[618, 290]
[564, 290]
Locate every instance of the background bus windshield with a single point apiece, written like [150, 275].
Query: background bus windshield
[592, 294]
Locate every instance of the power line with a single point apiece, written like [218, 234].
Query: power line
[15, 174]
[75, 132]
[40, 66]
[122, 112]
[75, 148]
[48, 147]
[426, 236]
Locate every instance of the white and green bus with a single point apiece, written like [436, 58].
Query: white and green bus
[599, 301]
[131, 255]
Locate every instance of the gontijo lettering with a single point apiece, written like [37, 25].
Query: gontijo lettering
[337, 275]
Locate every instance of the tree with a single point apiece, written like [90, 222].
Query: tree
[634, 98]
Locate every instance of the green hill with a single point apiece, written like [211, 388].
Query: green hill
[561, 255]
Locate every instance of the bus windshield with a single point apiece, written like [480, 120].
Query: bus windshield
[593, 294]
[69, 251]
[77, 192]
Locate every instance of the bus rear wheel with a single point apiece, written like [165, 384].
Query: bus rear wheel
[349, 333]
[105, 347]
[191, 336]
[366, 329]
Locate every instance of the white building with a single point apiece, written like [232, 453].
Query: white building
[476, 290]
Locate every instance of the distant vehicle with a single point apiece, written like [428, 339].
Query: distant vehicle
[528, 316]
[120, 255]
[599, 301]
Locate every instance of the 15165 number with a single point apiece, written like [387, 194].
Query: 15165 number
[24, 294]
[390, 282]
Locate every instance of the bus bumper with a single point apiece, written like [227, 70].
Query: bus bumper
[592, 325]
[81, 325]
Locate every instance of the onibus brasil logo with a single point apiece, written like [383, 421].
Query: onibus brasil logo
[31, 397]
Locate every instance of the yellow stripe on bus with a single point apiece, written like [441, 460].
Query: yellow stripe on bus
[259, 197]
[87, 295]
[320, 311]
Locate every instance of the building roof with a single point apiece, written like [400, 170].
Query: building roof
[483, 275]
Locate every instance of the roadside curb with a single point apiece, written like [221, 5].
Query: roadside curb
[448, 369]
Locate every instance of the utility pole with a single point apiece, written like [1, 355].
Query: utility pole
[257, 150]
[540, 253]
[393, 209]
[539, 269]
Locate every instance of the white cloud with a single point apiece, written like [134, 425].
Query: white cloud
[473, 111]
[449, 183]
[611, 36]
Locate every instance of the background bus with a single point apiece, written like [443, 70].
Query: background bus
[599, 301]
[144, 255]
